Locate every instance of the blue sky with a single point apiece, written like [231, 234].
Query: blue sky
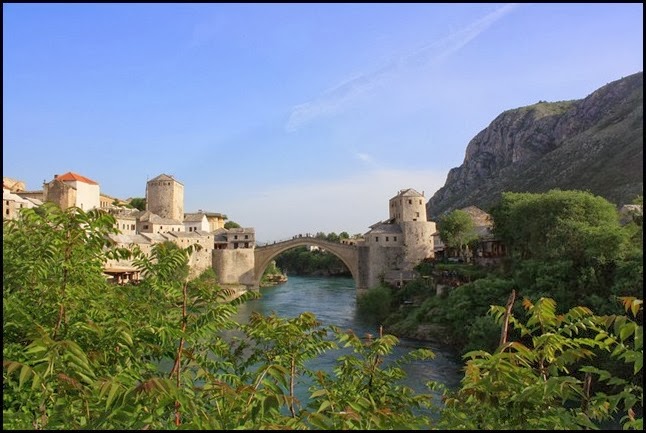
[290, 118]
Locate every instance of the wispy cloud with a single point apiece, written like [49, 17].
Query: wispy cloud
[366, 159]
[338, 98]
[452, 43]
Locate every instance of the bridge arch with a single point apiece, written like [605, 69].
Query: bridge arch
[263, 255]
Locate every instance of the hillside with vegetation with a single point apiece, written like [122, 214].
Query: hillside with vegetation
[593, 144]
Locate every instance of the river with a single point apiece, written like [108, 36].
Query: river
[333, 301]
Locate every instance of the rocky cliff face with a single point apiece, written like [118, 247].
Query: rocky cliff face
[593, 144]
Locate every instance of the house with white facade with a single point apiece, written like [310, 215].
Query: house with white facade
[194, 222]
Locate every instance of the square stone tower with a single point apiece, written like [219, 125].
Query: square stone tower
[165, 197]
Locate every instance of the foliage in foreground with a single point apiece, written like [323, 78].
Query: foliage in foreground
[79, 353]
[547, 378]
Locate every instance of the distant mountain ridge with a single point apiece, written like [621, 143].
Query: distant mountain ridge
[594, 144]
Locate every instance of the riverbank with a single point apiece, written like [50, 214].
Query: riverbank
[428, 333]
[273, 280]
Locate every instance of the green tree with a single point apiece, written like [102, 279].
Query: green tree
[567, 245]
[457, 231]
[375, 303]
[332, 237]
[138, 203]
[365, 392]
[231, 225]
[80, 353]
[573, 224]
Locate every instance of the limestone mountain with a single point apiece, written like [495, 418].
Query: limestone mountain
[594, 144]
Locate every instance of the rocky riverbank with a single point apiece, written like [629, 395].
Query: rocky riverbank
[273, 279]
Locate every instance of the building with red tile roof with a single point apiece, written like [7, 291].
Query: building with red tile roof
[73, 190]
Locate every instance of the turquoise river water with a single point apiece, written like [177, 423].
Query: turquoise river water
[333, 301]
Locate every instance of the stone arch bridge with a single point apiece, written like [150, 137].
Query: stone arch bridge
[348, 254]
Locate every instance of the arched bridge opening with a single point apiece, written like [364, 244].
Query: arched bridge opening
[348, 254]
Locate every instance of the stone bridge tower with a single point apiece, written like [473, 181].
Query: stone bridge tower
[165, 197]
[408, 210]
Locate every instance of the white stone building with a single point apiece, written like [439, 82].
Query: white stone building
[194, 222]
[13, 203]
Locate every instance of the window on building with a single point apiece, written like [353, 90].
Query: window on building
[246, 244]
[235, 237]
[145, 226]
[420, 201]
[376, 238]
[410, 201]
[417, 214]
[395, 238]
[7, 211]
[246, 236]
[387, 238]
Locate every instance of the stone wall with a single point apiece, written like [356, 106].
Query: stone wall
[363, 265]
[60, 193]
[200, 261]
[418, 240]
[374, 262]
[234, 266]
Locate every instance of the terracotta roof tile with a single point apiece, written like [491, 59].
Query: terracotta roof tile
[70, 176]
